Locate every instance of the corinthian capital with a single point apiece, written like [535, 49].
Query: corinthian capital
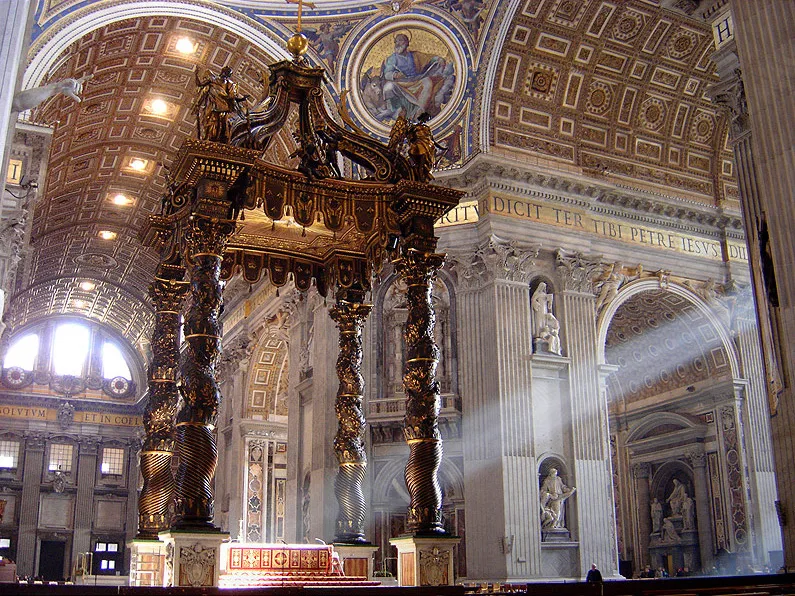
[511, 260]
[236, 353]
[729, 93]
[577, 270]
[698, 459]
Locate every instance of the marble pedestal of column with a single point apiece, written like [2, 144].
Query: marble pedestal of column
[357, 559]
[147, 562]
[192, 557]
[425, 560]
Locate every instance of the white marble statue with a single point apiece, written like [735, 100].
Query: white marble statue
[552, 494]
[669, 533]
[656, 515]
[677, 498]
[546, 328]
[688, 513]
[30, 98]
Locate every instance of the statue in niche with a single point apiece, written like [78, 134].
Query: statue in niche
[546, 328]
[677, 498]
[552, 495]
[669, 533]
[656, 515]
[688, 513]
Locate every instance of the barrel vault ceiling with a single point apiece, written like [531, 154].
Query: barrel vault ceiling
[612, 90]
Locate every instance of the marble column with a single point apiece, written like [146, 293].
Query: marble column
[349, 441]
[421, 424]
[698, 460]
[29, 515]
[205, 240]
[167, 293]
[84, 506]
[643, 501]
[591, 438]
[758, 445]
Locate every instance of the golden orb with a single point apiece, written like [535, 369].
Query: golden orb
[298, 44]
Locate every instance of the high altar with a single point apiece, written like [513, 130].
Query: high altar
[348, 228]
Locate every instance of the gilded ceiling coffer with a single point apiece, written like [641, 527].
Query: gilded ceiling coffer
[349, 441]
[167, 292]
[348, 228]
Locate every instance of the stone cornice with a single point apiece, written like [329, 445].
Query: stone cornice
[484, 172]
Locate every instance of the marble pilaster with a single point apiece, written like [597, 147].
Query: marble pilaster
[493, 321]
[591, 438]
[758, 444]
[698, 461]
[84, 506]
[28, 516]
[641, 473]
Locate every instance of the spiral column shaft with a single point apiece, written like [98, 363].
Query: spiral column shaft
[349, 440]
[205, 240]
[167, 293]
[421, 423]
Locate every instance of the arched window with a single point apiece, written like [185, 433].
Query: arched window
[82, 356]
[23, 352]
[113, 362]
[70, 349]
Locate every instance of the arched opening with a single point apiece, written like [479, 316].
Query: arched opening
[673, 381]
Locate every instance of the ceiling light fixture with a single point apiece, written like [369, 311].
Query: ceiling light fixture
[121, 199]
[79, 303]
[138, 164]
[87, 286]
[107, 235]
[186, 46]
[158, 106]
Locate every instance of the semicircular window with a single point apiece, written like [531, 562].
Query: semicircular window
[22, 353]
[113, 362]
[82, 359]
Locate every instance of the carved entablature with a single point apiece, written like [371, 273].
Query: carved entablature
[577, 271]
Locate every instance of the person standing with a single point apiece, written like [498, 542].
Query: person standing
[594, 576]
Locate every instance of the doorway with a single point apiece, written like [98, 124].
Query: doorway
[51, 559]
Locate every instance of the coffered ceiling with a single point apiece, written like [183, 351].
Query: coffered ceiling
[615, 91]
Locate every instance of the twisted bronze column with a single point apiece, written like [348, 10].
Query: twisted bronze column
[167, 294]
[349, 441]
[421, 427]
[205, 241]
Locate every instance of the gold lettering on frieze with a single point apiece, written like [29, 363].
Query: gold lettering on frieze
[49, 414]
[580, 221]
[463, 213]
